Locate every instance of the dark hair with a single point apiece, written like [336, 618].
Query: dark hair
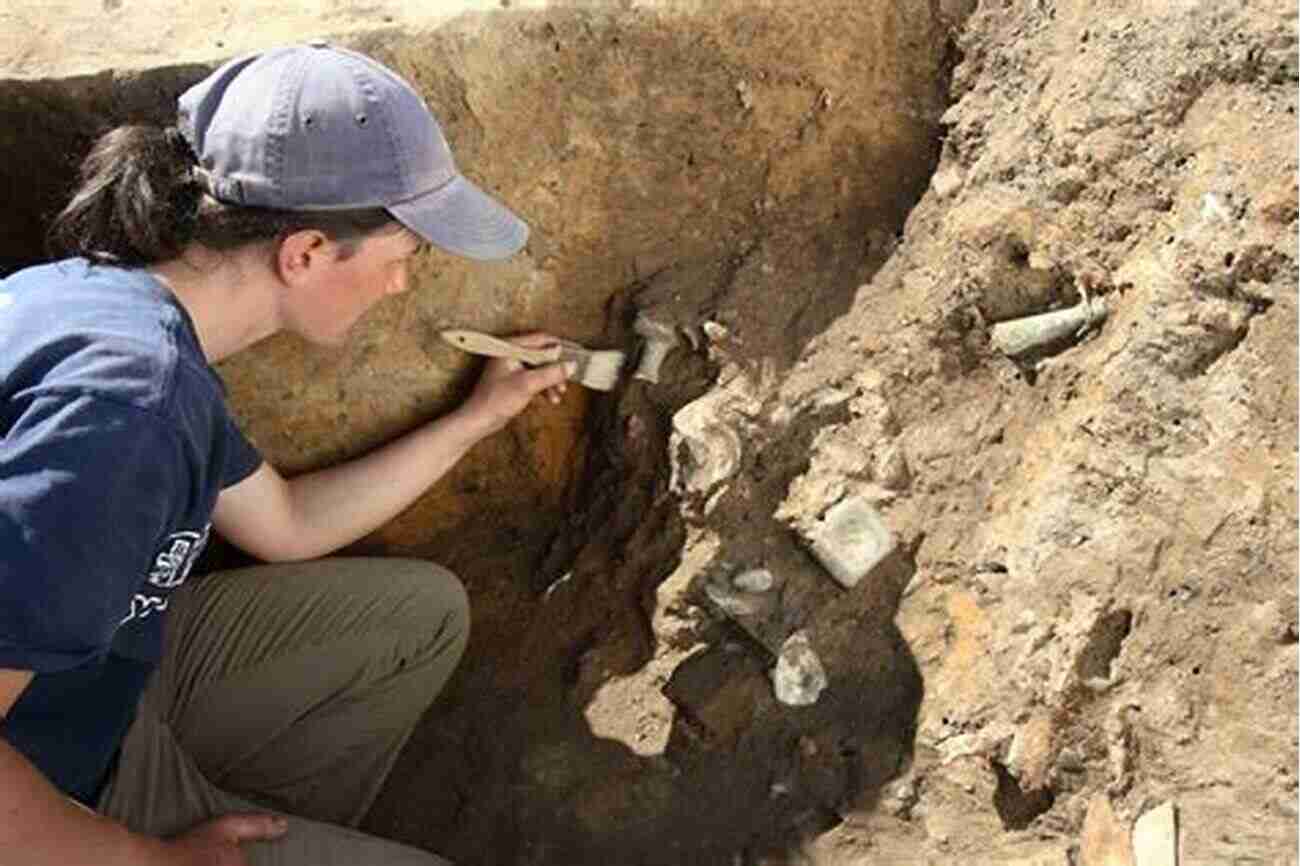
[138, 204]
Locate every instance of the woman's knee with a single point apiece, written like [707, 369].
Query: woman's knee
[433, 600]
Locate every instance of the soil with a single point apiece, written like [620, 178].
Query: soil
[1091, 606]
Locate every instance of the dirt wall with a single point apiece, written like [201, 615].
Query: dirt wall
[1104, 603]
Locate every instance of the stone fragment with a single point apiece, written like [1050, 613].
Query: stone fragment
[1119, 749]
[947, 181]
[733, 602]
[1070, 182]
[1155, 837]
[850, 539]
[1213, 209]
[900, 796]
[745, 94]
[891, 468]
[754, 580]
[1033, 752]
[1104, 840]
[798, 678]
[745, 594]
[715, 331]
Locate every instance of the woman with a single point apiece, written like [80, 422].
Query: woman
[296, 189]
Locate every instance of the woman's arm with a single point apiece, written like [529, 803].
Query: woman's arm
[277, 519]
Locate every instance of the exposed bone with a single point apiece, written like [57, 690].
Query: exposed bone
[714, 447]
[1021, 336]
[707, 440]
[660, 340]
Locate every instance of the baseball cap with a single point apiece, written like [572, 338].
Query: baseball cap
[314, 127]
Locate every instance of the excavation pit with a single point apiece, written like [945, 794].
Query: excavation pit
[737, 172]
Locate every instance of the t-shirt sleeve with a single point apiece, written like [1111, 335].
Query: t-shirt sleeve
[242, 457]
[86, 488]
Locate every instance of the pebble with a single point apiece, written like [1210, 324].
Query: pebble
[798, 678]
[754, 580]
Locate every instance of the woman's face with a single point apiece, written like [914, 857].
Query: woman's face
[344, 288]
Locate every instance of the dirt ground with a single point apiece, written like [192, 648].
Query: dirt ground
[1091, 605]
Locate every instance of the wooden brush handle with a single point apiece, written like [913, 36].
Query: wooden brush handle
[485, 344]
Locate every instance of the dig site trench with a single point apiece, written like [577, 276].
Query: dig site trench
[735, 175]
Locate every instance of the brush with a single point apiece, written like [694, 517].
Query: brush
[595, 369]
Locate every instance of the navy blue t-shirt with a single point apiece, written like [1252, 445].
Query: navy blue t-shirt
[114, 443]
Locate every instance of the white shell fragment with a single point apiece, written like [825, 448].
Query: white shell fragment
[850, 539]
[798, 678]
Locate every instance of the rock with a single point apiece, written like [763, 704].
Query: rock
[1278, 204]
[947, 181]
[1033, 752]
[754, 580]
[798, 678]
[1071, 182]
[1119, 749]
[1155, 837]
[1104, 840]
[891, 468]
[745, 594]
[715, 331]
[900, 796]
[734, 602]
[850, 540]
[745, 94]
[1212, 208]
[837, 458]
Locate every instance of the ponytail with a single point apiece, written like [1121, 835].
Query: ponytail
[138, 203]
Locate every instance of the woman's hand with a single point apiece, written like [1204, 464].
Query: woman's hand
[216, 842]
[506, 388]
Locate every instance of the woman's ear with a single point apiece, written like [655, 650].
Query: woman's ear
[301, 255]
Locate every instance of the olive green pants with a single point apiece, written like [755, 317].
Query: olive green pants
[290, 688]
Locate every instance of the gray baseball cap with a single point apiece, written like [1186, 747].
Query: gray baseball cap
[315, 127]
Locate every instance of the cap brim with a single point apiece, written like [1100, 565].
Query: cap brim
[462, 219]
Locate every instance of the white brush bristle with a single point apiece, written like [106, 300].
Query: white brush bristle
[596, 369]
